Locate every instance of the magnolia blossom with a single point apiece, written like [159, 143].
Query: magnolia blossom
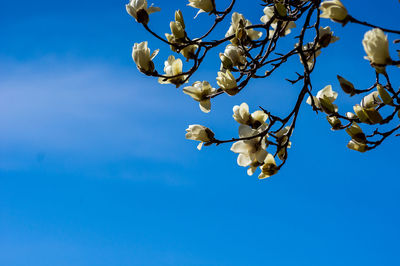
[326, 36]
[189, 51]
[376, 46]
[173, 69]
[366, 111]
[372, 100]
[201, 91]
[310, 54]
[324, 100]
[249, 150]
[286, 25]
[334, 10]
[227, 82]
[141, 56]
[203, 5]
[235, 25]
[200, 133]
[139, 10]
[282, 138]
[269, 168]
[242, 115]
[232, 56]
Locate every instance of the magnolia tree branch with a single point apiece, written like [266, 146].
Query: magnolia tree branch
[250, 51]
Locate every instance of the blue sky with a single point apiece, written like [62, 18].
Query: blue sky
[95, 170]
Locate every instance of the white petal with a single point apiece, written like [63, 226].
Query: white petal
[205, 106]
[243, 160]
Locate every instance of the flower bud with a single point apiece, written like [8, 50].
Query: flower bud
[376, 46]
[269, 168]
[281, 9]
[334, 122]
[226, 62]
[346, 85]
[385, 96]
[179, 18]
[354, 145]
[361, 114]
[373, 115]
[141, 56]
[177, 30]
[350, 115]
[327, 106]
[356, 133]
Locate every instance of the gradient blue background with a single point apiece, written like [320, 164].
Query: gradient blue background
[95, 170]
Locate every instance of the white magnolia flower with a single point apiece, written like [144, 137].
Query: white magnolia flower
[232, 56]
[372, 100]
[242, 115]
[141, 56]
[326, 36]
[249, 150]
[324, 100]
[189, 52]
[269, 168]
[203, 5]
[200, 133]
[139, 10]
[236, 18]
[366, 111]
[200, 91]
[282, 138]
[287, 25]
[334, 10]
[376, 46]
[172, 67]
[310, 53]
[227, 82]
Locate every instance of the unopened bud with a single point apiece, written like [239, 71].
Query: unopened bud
[327, 106]
[373, 115]
[354, 145]
[334, 122]
[346, 85]
[281, 9]
[384, 95]
[361, 114]
[226, 62]
[356, 133]
[179, 18]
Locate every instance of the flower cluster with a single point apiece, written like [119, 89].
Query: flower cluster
[288, 29]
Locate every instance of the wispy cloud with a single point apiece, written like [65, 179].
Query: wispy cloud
[85, 109]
